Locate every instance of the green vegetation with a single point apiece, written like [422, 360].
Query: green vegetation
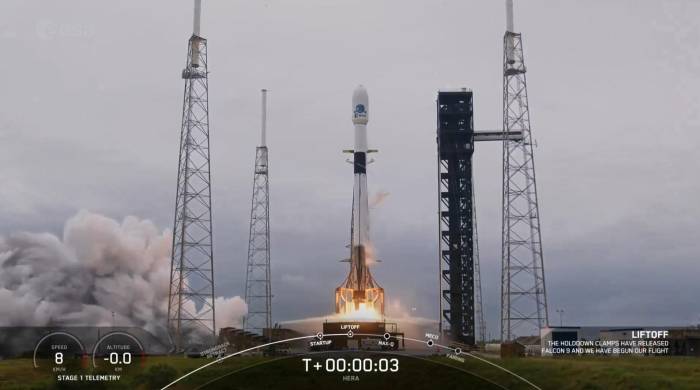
[156, 376]
[597, 372]
[256, 372]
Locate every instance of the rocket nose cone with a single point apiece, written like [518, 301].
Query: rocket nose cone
[360, 95]
[360, 105]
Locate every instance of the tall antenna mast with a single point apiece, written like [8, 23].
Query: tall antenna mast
[263, 140]
[191, 296]
[523, 293]
[509, 16]
[258, 286]
[196, 24]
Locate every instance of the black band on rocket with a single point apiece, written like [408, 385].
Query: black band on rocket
[360, 162]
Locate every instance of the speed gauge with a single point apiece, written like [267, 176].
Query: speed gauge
[60, 352]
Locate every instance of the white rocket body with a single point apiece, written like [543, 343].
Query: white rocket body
[360, 117]
[359, 291]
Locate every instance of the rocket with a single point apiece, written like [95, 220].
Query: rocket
[360, 203]
[359, 293]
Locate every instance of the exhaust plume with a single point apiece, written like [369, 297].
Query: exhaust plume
[98, 267]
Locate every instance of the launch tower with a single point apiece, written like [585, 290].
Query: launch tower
[191, 295]
[455, 139]
[461, 316]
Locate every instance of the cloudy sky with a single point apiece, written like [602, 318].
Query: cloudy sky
[90, 117]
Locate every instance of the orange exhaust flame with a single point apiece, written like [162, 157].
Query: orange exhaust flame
[365, 304]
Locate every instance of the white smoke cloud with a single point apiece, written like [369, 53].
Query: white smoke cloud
[98, 268]
[230, 311]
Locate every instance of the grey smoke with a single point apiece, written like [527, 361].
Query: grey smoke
[100, 266]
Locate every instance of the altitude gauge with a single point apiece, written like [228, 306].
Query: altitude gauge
[60, 352]
[118, 352]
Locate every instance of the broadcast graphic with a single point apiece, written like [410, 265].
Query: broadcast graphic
[314, 194]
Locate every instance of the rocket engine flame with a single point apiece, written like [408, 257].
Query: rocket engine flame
[363, 312]
[360, 296]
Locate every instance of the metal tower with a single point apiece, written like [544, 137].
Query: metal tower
[455, 139]
[258, 291]
[191, 296]
[523, 294]
[461, 310]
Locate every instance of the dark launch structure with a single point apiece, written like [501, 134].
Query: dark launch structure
[455, 140]
[461, 311]
[191, 295]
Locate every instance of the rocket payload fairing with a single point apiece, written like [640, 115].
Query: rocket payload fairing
[359, 294]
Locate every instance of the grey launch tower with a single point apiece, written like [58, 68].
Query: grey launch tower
[523, 293]
[258, 287]
[191, 295]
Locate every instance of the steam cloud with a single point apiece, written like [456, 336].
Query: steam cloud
[100, 266]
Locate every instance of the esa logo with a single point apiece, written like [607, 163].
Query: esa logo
[360, 111]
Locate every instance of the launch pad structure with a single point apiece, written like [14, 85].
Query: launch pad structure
[455, 139]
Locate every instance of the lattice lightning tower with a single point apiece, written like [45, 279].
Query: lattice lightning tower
[191, 296]
[523, 294]
[258, 290]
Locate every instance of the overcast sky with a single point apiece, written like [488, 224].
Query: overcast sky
[90, 114]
